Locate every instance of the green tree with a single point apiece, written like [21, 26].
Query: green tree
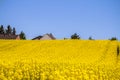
[2, 31]
[90, 38]
[9, 30]
[75, 36]
[14, 31]
[113, 38]
[22, 35]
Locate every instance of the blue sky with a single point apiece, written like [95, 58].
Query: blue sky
[97, 18]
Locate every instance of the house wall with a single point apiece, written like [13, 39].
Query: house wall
[18, 38]
[45, 37]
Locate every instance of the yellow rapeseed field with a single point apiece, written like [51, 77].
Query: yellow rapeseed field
[59, 60]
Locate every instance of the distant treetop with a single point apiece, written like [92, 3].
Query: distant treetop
[113, 38]
[90, 38]
[75, 36]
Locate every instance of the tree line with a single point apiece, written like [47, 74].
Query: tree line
[76, 36]
[11, 31]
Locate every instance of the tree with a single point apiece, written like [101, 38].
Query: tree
[9, 30]
[75, 36]
[2, 31]
[90, 38]
[113, 39]
[14, 31]
[22, 35]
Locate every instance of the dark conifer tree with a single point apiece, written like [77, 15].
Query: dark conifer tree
[2, 31]
[22, 35]
[14, 31]
[9, 30]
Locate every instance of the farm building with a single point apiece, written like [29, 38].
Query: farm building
[9, 36]
[45, 37]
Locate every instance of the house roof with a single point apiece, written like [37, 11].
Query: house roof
[51, 36]
[39, 37]
[4, 36]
